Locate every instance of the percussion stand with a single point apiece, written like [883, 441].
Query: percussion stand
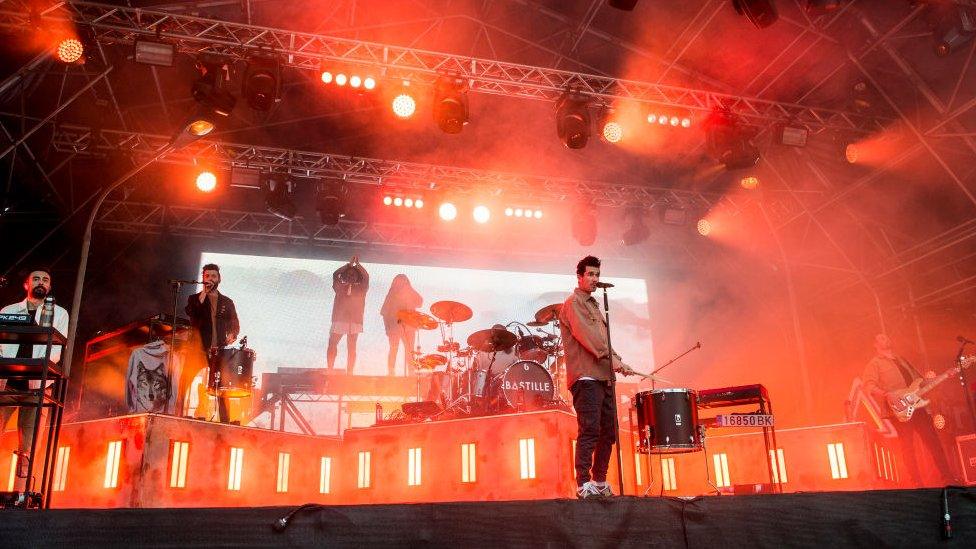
[185, 402]
[613, 394]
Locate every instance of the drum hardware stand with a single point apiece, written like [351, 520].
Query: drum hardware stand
[708, 474]
[177, 287]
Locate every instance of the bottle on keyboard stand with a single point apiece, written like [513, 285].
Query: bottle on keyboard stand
[47, 312]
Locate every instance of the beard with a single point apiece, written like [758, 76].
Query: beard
[39, 292]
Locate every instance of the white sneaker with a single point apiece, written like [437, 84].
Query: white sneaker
[604, 491]
[588, 490]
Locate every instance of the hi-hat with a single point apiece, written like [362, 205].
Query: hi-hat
[416, 319]
[451, 311]
[548, 313]
[492, 340]
[431, 361]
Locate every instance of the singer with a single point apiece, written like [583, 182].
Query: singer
[350, 283]
[590, 374]
[214, 319]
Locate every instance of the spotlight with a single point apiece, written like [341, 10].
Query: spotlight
[749, 182]
[408, 202]
[613, 132]
[398, 202]
[209, 89]
[447, 211]
[278, 199]
[637, 231]
[573, 121]
[149, 52]
[583, 224]
[816, 8]
[261, 85]
[851, 153]
[794, 136]
[327, 77]
[704, 227]
[341, 79]
[200, 123]
[762, 13]
[387, 200]
[450, 105]
[953, 26]
[404, 105]
[728, 142]
[206, 181]
[418, 203]
[70, 50]
[538, 214]
[509, 212]
[939, 421]
[330, 203]
[481, 214]
[674, 216]
[669, 117]
[369, 82]
[355, 81]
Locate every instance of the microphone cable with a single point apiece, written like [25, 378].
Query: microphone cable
[283, 522]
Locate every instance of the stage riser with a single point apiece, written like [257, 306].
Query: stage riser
[506, 449]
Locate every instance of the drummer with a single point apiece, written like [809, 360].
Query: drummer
[496, 362]
[214, 319]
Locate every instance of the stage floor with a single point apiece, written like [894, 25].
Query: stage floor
[906, 518]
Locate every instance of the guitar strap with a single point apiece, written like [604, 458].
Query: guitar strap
[903, 367]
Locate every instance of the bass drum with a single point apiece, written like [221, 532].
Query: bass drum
[667, 421]
[523, 386]
[231, 369]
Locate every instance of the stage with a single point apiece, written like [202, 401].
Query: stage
[907, 518]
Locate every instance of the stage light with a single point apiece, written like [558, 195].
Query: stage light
[261, 85]
[749, 182]
[674, 216]
[70, 50]
[662, 120]
[341, 79]
[330, 203]
[278, 199]
[573, 121]
[538, 214]
[149, 52]
[206, 181]
[398, 202]
[327, 77]
[704, 227]
[686, 122]
[816, 8]
[850, 153]
[762, 13]
[518, 212]
[613, 132]
[418, 203]
[728, 142]
[208, 89]
[794, 136]
[450, 105]
[369, 82]
[200, 123]
[953, 26]
[355, 81]
[387, 200]
[408, 202]
[404, 105]
[509, 212]
[447, 211]
[939, 421]
[481, 214]
[584, 224]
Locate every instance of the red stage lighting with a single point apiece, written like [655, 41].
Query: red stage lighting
[398, 202]
[70, 50]
[419, 203]
[613, 132]
[749, 182]
[327, 77]
[369, 82]
[481, 214]
[704, 227]
[206, 181]
[509, 212]
[341, 79]
[404, 105]
[355, 81]
[850, 152]
[447, 211]
[387, 200]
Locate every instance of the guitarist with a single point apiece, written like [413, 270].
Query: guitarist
[889, 372]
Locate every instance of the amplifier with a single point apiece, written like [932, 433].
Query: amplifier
[966, 444]
[15, 318]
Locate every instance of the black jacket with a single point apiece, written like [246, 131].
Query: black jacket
[226, 317]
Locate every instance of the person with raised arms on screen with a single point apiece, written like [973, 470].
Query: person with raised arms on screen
[401, 297]
[350, 282]
[590, 375]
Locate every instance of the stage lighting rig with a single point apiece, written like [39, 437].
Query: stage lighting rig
[952, 25]
[573, 120]
[729, 142]
[816, 8]
[355, 78]
[762, 13]
[278, 199]
[69, 50]
[210, 88]
[152, 52]
[330, 202]
[261, 86]
[612, 130]
[450, 104]
[668, 117]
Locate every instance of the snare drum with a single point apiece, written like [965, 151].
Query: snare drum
[667, 421]
[231, 369]
[531, 347]
[523, 386]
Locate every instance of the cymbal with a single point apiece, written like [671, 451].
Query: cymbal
[548, 313]
[451, 311]
[492, 340]
[416, 319]
[431, 361]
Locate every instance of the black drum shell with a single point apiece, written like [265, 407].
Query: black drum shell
[667, 421]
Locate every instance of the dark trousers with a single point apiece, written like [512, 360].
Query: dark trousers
[593, 402]
[920, 426]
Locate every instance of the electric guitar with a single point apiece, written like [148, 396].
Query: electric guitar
[904, 402]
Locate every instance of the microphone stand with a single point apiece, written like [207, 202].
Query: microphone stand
[185, 401]
[964, 382]
[613, 394]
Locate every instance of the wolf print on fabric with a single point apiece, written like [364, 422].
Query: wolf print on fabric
[152, 389]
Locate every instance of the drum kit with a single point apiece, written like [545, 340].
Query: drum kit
[498, 370]
[231, 371]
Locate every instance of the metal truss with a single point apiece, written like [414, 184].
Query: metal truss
[121, 25]
[404, 176]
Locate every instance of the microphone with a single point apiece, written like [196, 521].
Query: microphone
[603, 285]
[961, 339]
[174, 281]
[946, 517]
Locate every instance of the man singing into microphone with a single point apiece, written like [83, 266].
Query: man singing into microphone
[214, 317]
[589, 372]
